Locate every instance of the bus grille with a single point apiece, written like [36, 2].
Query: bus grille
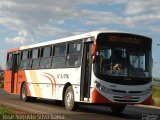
[130, 99]
[123, 93]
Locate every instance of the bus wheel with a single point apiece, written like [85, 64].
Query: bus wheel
[118, 109]
[23, 95]
[69, 103]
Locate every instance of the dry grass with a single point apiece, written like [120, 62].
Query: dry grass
[156, 95]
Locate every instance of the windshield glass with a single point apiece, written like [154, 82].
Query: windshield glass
[122, 61]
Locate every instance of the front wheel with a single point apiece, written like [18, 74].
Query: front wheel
[118, 109]
[69, 102]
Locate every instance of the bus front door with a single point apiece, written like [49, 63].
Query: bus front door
[86, 73]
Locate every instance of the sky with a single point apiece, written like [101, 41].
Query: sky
[24, 22]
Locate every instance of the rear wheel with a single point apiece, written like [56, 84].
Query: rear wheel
[118, 109]
[69, 102]
[23, 95]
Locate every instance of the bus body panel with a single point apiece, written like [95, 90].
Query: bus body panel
[22, 79]
[7, 81]
[50, 83]
[123, 93]
[115, 93]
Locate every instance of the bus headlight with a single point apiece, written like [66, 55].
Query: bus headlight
[147, 91]
[102, 88]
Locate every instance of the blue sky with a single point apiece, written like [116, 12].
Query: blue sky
[31, 21]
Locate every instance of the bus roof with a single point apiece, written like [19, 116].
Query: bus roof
[76, 37]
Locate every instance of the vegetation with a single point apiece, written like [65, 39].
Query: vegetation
[156, 94]
[1, 84]
[5, 113]
[1, 78]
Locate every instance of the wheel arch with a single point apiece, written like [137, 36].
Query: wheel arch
[22, 86]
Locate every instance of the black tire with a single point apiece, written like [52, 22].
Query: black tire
[118, 109]
[69, 102]
[23, 95]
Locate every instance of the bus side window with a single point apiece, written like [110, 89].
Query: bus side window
[46, 57]
[74, 54]
[24, 60]
[9, 61]
[59, 56]
[34, 58]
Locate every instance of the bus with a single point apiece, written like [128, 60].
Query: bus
[104, 68]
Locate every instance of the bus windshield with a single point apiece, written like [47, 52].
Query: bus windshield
[129, 62]
[123, 59]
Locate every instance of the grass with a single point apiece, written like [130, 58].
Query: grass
[156, 95]
[1, 84]
[6, 113]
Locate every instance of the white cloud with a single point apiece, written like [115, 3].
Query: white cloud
[30, 17]
[26, 16]
[105, 29]
[142, 6]
[155, 29]
[16, 40]
[54, 31]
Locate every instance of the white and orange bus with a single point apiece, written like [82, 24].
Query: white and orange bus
[109, 68]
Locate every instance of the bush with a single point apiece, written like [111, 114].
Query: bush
[1, 77]
[155, 90]
[156, 95]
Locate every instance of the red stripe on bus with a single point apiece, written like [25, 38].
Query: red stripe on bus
[13, 49]
[51, 82]
[54, 85]
[148, 101]
[98, 98]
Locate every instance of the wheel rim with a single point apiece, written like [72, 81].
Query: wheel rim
[23, 93]
[69, 98]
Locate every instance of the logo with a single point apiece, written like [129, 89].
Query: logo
[127, 97]
[150, 117]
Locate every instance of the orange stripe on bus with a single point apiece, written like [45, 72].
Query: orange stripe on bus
[53, 78]
[36, 86]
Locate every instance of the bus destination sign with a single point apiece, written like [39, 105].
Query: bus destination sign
[125, 39]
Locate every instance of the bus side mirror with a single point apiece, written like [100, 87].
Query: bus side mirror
[93, 51]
